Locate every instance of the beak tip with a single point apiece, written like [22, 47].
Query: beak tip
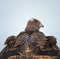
[42, 26]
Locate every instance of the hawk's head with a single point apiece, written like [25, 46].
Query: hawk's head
[33, 25]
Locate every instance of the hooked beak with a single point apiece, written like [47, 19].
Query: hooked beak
[41, 25]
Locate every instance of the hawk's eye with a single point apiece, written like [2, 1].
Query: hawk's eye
[35, 20]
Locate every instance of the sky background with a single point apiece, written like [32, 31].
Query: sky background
[14, 15]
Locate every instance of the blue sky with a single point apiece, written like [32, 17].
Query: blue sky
[14, 15]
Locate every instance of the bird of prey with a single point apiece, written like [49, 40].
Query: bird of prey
[33, 25]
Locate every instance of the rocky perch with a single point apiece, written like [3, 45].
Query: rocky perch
[31, 44]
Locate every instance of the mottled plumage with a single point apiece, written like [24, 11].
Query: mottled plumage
[29, 43]
[33, 25]
[10, 41]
